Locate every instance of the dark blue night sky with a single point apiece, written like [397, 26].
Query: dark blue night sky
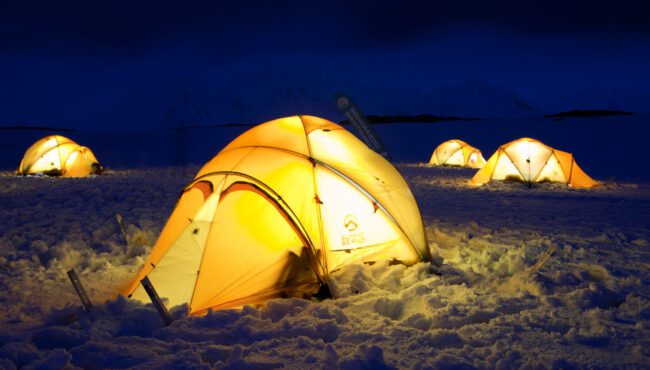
[136, 64]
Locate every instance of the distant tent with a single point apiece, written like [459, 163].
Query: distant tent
[275, 212]
[531, 161]
[457, 153]
[59, 156]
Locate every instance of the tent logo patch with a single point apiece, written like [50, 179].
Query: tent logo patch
[350, 222]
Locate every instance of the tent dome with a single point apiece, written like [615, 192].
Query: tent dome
[275, 212]
[457, 153]
[59, 156]
[530, 160]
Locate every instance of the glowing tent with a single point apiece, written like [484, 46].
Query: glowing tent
[457, 153]
[59, 156]
[275, 212]
[531, 161]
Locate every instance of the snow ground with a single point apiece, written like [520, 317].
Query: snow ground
[587, 306]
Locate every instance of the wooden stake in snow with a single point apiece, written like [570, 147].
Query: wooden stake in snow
[155, 299]
[118, 217]
[542, 259]
[81, 292]
[520, 279]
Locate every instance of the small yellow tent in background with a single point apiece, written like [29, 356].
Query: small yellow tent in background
[530, 161]
[457, 153]
[277, 210]
[59, 156]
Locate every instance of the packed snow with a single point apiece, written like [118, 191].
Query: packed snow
[493, 298]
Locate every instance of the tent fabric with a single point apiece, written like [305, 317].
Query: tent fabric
[275, 212]
[59, 156]
[457, 153]
[530, 160]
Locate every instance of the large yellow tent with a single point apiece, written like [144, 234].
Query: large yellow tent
[457, 153]
[59, 156]
[529, 160]
[275, 212]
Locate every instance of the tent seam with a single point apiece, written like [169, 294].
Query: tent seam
[319, 210]
[205, 247]
[544, 166]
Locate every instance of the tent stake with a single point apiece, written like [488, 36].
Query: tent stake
[155, 299]
[542, 259]
[118, 217]
[81, 292]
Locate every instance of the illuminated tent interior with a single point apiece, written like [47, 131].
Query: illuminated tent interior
[530, 160]
[275, 212]
[59, 156]
[457, 153]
